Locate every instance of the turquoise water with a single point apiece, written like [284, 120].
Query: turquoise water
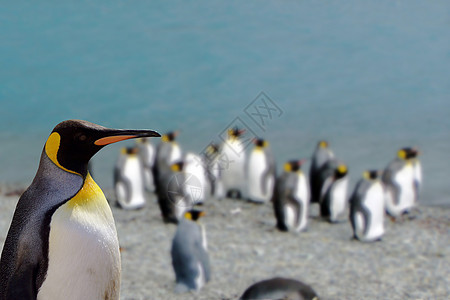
[370, 77]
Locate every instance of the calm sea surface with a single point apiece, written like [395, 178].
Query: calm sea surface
[370, 77]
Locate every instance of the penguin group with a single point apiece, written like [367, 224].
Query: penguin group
[64, 226]
[226, 170]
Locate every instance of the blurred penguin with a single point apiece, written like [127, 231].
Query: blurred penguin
[190, 258]
[147, 156]
[367, 208]
[261, 172]
[196, 178]
[321, 155]
[291, 198]
[279, 288]
[400, 183]
[128, 179]
[167, 153]
[212, 158]
[233, 174]
[333, 196]
[172, 198]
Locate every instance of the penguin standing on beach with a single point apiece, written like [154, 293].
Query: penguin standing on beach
[189, 253]
[321, 155]
[167, 153]
[333, 197]
[261, 172]
[147, 155]
[62, 242]
[128, 179]
[173, 197]
[279, 288]
[291, 198]
[400, 183]
[367, 208]
[233, 175]
[214, 171]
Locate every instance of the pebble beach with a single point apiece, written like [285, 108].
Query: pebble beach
[412, 261]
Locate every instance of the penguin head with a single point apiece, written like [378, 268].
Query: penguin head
[411, 152]
[212, 149]
[261, 143]
[178, 166]
[341, 171]
[235, 132]
[371, 174]
[293, 165]
[131, 150]
[194, 214]
[407, 153]
[170, 136]
[72, 143]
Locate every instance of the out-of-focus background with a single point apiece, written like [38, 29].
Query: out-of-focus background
[370, 77]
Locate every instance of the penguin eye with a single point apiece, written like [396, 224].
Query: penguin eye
[80, 137]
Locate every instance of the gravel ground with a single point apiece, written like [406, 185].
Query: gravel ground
[411, 262]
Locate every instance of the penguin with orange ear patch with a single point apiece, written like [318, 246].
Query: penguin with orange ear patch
[62, 242]
[129, 180]
[291, 198]
[190, 258]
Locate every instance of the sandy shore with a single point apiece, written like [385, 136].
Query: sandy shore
[411, 262]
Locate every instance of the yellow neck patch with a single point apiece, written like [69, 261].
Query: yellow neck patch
[51, 149]
[188, 215]
[88, 194]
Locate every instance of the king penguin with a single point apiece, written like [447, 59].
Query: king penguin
[233, 174]
[321, 155]
[172, 194]
[62, 242]
[291, 198]
[147, 156]
[279, 288]
[214, 171]
[400, 184]
[367, 208]
[189, 253]
[128, 179]
[333, 196]
[261, 172]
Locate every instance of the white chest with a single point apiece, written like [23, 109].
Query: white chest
[257, 166]
[302, 194]
[374, 203]
[175, 154]
[405, 179]
[84, 258]
[338, 198]
[302, 191]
